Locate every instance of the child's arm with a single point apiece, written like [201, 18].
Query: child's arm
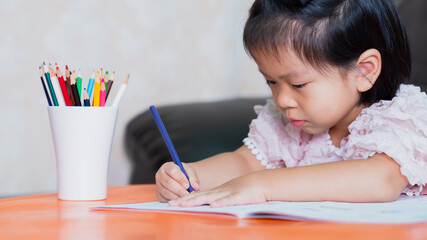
[377, 179]
[206, 174]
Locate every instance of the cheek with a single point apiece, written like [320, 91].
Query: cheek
[320, 106]
[331, 107]
[325, 108]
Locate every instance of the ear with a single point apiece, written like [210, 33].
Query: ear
[369, 68]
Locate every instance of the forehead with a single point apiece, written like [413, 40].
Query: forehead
[285, 60]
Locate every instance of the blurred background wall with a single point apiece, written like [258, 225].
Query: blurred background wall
[175, 50]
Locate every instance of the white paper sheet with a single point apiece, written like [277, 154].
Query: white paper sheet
[404, 210]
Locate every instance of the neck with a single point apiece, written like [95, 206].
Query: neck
[340, 130]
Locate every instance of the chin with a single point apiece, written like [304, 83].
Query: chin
[313, 131]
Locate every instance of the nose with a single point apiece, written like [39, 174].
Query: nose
[284, 99]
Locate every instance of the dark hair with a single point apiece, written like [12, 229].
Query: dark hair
[333, 32]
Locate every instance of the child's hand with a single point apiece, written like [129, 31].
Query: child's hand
[171, 182]
[239, 191]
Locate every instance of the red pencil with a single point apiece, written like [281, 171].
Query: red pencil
[63, 87]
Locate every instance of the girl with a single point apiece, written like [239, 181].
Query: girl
[341, 126]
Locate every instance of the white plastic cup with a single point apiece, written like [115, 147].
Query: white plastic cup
[82, 137]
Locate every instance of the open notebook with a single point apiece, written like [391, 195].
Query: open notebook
[404, 210]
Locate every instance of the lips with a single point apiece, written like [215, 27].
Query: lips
[296, 123]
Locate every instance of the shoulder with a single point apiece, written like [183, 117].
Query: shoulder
[408, 109]
[396, 127]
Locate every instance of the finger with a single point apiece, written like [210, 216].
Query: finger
[199, 199]
[165, 195]
[194, 182]
[175, 173]
[169, 183]
[172, 186]
[228, 200]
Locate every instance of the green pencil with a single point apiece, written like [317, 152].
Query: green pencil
[79, 83]
[106, 79]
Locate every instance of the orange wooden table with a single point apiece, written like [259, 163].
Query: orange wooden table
[46, 217]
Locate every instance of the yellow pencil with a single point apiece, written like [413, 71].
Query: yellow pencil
[96, 91]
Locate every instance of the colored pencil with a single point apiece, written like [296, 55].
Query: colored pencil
[168, 142]
[44, 87]
[90, 85]
[110, 85]
[56, 87]
[79, 83]
[102, 95]
[67, 76]
[86, 101]
[97, 89]
[75, 91]
[121, 91]
[63, 87]
[106, 80]
[49, 83]
[75, 78]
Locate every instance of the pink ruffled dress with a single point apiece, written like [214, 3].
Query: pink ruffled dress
[397, 128]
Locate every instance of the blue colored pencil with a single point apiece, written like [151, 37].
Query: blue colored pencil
[44, 87]
[169, 144]
[90, 85]
[86, 101]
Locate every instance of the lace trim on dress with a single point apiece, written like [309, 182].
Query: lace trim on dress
[258, 153]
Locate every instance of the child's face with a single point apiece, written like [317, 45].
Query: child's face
[307, 98]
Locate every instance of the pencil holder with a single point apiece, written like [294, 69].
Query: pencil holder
[82, 138]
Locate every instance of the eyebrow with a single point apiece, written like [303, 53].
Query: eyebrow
[286, 75]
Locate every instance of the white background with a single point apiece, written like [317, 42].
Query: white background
[175, 50]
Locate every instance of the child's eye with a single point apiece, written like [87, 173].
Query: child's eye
[299, 85]
[270, 82]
